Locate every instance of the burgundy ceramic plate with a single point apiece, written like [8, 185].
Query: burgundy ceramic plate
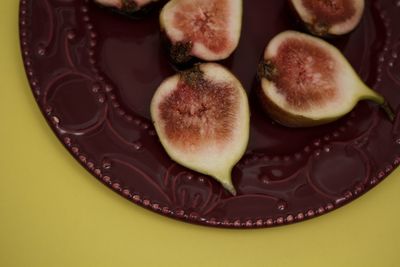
[93, 74]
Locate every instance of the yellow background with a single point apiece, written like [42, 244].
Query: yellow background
[53, 213]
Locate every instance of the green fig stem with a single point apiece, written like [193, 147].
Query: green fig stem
[226, 182]
[384, 105]
[230, 188]
[388, 110]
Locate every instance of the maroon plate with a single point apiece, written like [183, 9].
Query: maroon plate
[93, 74]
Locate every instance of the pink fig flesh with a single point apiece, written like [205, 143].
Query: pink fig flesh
[205, 29]
[198, 111]
[329, 17]
[202, 119]
[305, 81]
[304, 74]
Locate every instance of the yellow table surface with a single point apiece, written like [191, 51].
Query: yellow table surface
[54, 213]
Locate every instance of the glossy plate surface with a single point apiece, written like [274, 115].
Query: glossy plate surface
[93, 74]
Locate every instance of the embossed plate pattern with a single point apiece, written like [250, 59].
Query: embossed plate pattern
[93, 74]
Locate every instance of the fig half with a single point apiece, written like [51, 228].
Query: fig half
[329, 17]
[128, 7]
[202, 120]
[306, 81]
[204, 29]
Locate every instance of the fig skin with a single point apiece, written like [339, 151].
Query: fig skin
[195, 140]
[187, 50]
[130, 9]
[267, 72]
[285, 118]
[323, 28]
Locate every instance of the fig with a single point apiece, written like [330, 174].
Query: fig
[305, 81]
[202, 119]
[204, 29]
[128, 7]
[329, 17]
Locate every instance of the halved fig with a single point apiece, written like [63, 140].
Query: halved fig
[329, 17]
[306, 81]
[204, 29]
[128, 7]
[202, 120]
